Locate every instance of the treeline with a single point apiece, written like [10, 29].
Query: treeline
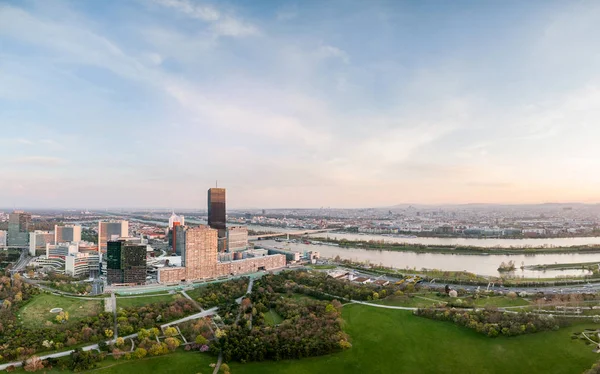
[493, 323]
[310, 328]
[219, 294]
[19, 342]
[152, 315]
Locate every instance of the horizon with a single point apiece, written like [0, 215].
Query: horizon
[310, 104]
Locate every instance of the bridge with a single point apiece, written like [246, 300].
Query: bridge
[287, 233]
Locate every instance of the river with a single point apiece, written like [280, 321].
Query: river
[478, 264]
[473, 242]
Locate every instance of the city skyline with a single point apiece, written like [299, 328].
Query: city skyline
[298, 104]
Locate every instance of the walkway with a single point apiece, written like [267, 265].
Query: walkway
[95, 346]
[192, 300]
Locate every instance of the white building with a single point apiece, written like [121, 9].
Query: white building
[110, 230]
[80, 264]
[3, 236]
[38, 240]
[67, 233]
[175, 218]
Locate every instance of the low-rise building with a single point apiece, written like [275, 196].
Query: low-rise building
[82, 264]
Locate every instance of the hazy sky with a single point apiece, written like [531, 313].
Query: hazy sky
[298, 104]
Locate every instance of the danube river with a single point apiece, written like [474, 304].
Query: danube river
[474, 263]
[478, 264]
[484, 243]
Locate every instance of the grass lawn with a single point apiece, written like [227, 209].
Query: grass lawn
[273, 318]
[394, 341]
[180, 362]
[500, 301]
[299, 296]
[416, 301]
[37, 311]
[129, 302]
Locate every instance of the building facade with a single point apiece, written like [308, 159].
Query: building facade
[67, 233]
[109, 230]
[3, 235]
[179, 240]
[38, 240]
[82, 264]
[125, 262]
[217, 216]
[237, 238]
[175, 219]
[201, 259]
[18, 228]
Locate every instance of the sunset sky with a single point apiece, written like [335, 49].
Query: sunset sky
[125, 103]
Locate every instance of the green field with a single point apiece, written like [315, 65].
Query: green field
[393, 341]
[180, 362]
[273, 318]
[37, 311]
[130, 302]
[500, 301]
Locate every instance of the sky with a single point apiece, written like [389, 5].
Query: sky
[147, 103]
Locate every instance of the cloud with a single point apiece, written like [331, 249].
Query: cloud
[39, 161]
[328, 51]
[223, 25]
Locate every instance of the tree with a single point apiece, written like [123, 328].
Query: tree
[143, 334]
[19, 297]
[171, 331]
[34, 364]
[117, 353]
[201, 340]
[330, 308]
[224, 368]
[6, 304]
[154, 332]
[120, 342]
[140, 353]
[375, 296]
[108, 333]
[172, 343]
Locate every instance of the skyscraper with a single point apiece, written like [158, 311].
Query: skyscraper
[108, 230]
[67, 234]
[125, 262]
[38, 240]
[175, 219]
[18, 228]
[216, 210]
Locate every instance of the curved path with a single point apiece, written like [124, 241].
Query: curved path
[206, 313]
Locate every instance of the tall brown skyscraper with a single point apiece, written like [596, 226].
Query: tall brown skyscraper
[216, 210]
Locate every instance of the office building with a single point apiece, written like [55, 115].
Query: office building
[67, 233]
[82, 264]
[237, 238]
[217, 217]
[176, 220]
[111, 230]
[125, 262]
[38, 240]
[3, 235]
[201, 259]
[178, 234]
[18, 228]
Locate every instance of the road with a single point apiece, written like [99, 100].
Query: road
[206, 313]
[21, 262]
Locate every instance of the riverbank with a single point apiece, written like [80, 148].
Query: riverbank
[592, 266]
[423, 248]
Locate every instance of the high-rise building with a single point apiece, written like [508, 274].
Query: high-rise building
[111, 230]
[3, 236]
[179, 240]
[237, 238]
[175, 219]
[125, 262]
[18, 228]
[67, 233]
[38, 240]
[200, 260]
[217, 218]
